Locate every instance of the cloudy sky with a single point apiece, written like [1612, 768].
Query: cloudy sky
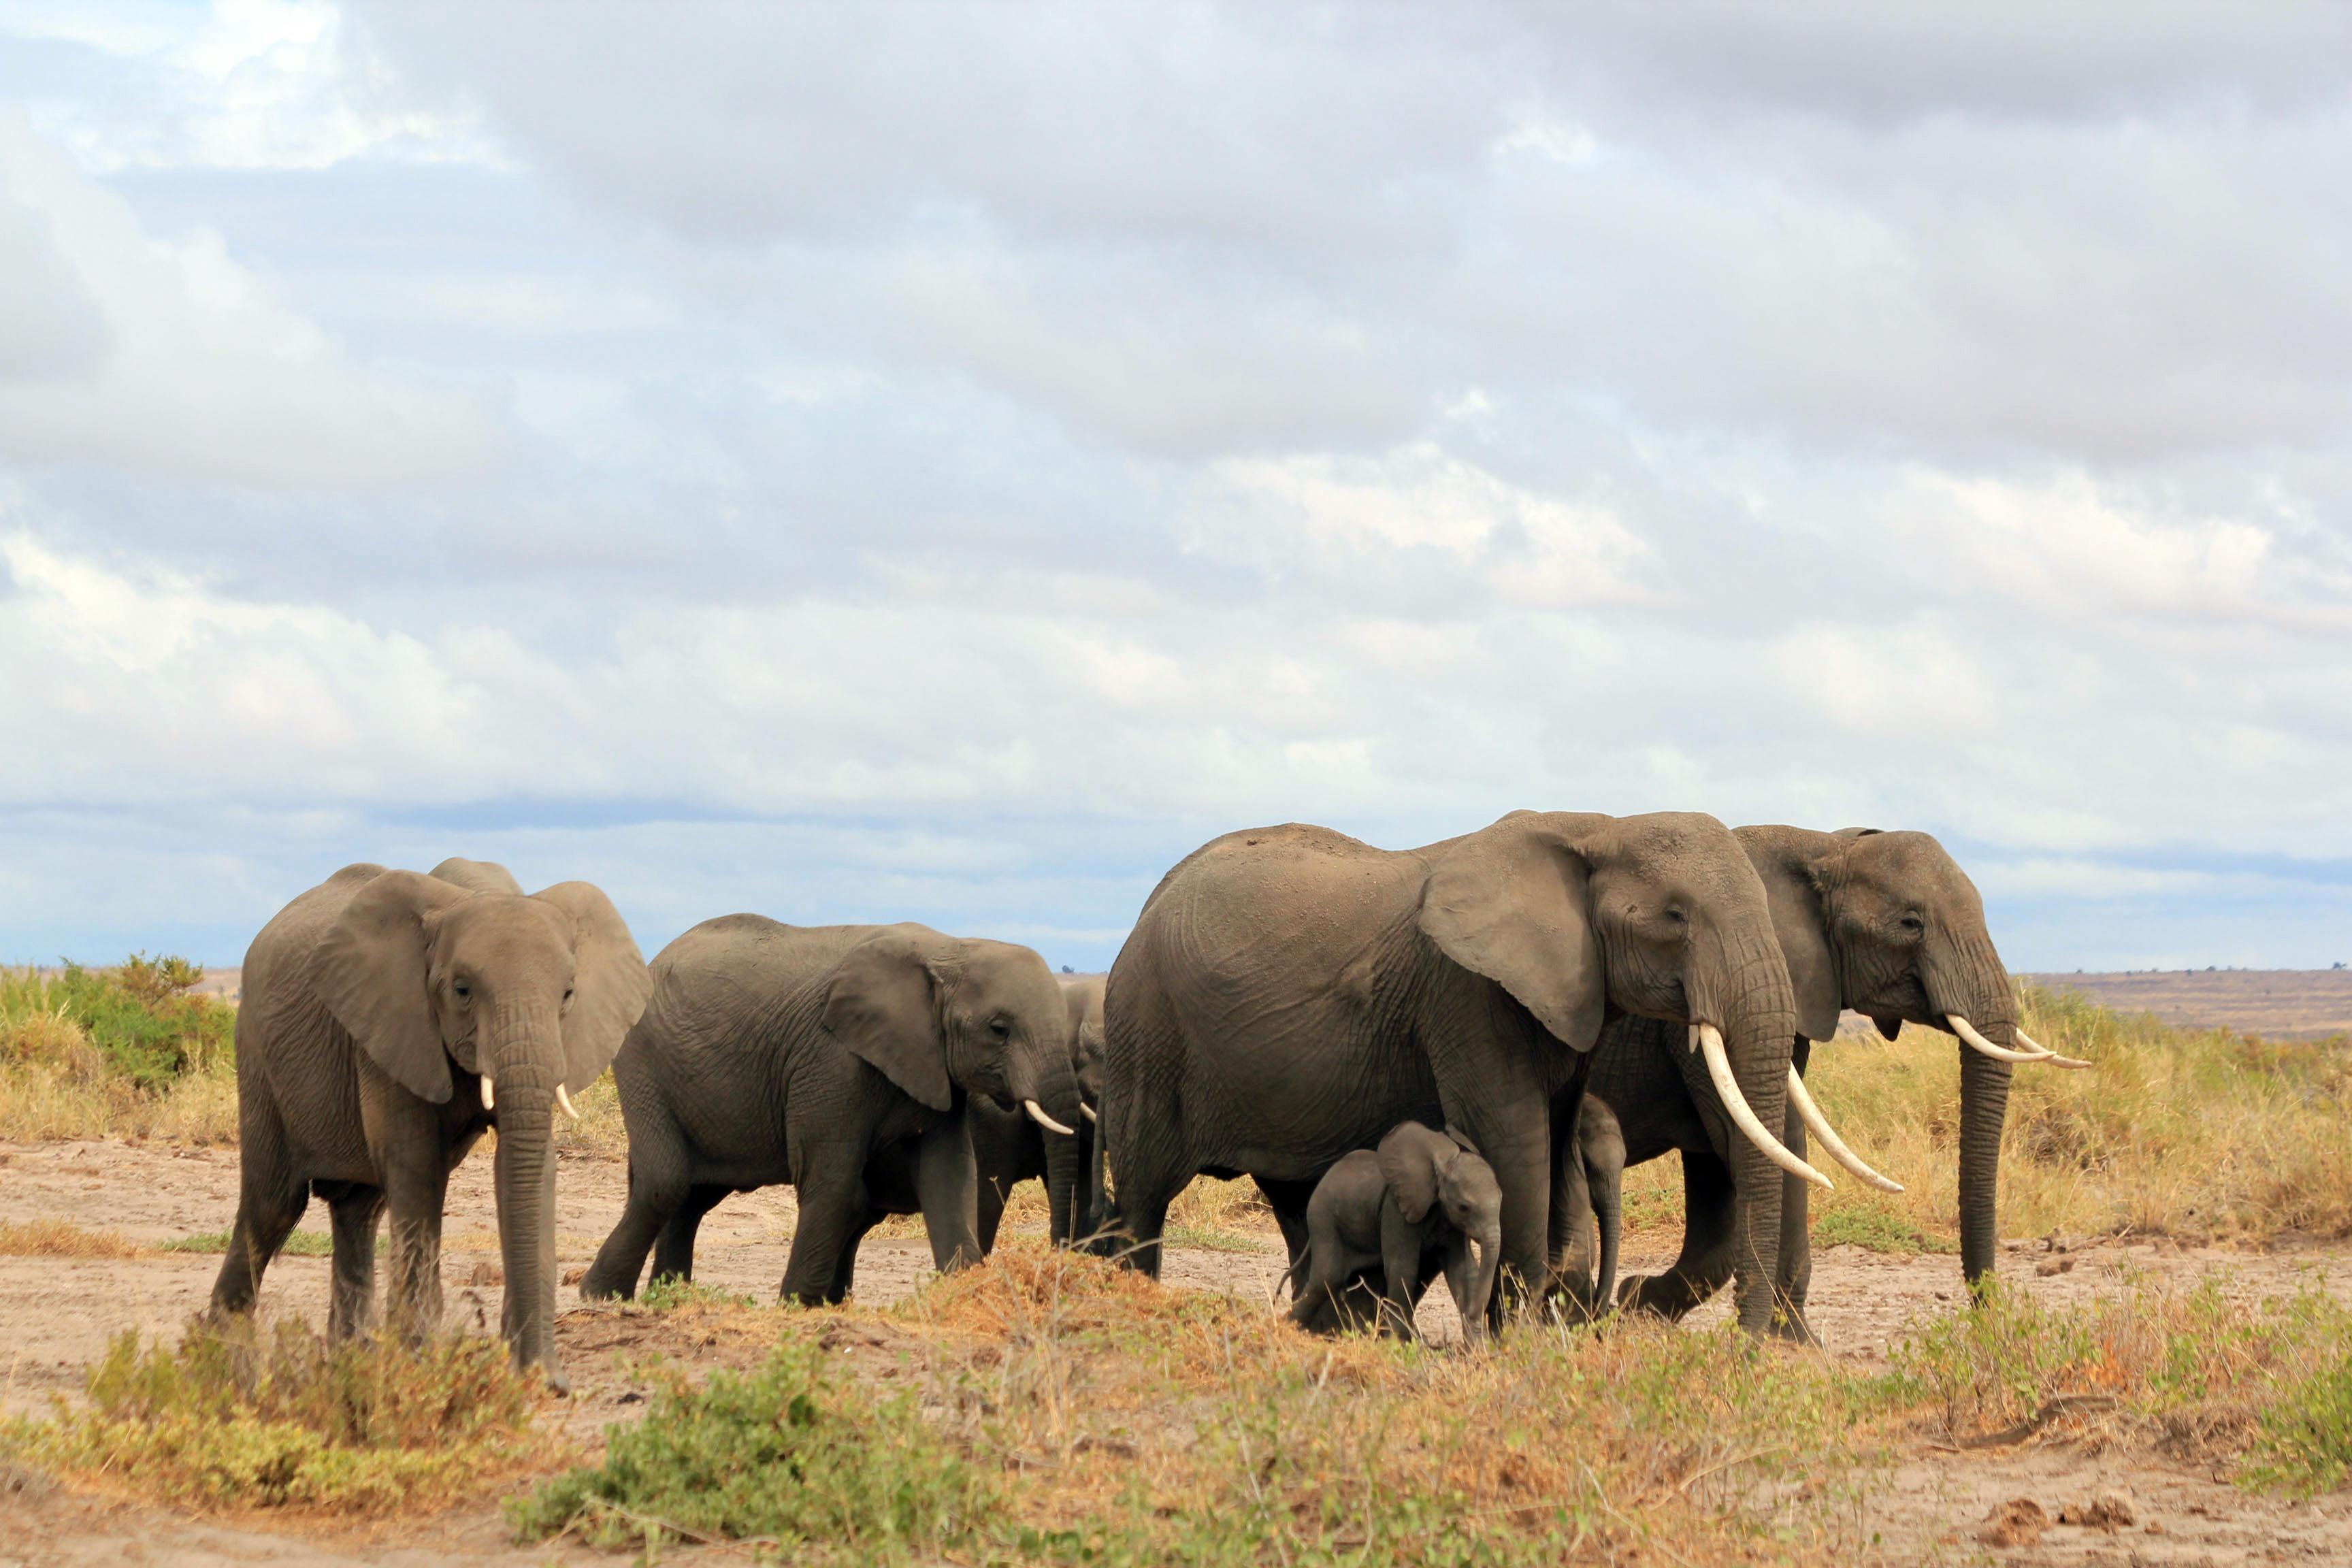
[946, 463]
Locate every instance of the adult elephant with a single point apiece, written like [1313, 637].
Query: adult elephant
[1011, 1146]
[1887, 924]
[389, 1019]
[841, 1059]
[1289, 995]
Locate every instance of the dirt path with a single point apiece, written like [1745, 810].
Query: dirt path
[56, 1315]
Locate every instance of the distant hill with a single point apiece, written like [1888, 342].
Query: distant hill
[2276, 1003]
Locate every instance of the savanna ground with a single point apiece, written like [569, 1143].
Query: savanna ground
[2165, 1376]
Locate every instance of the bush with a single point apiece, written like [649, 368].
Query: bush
[130, 1050]
[783, 1456]
[239, 1416]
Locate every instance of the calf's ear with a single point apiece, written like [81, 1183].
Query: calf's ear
[1408, 1157]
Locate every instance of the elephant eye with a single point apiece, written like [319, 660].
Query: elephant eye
[464, 989]
[1914, 924]
[1000, 1028]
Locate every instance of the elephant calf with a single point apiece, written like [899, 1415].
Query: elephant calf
[840, 1060]
[1422, 1198]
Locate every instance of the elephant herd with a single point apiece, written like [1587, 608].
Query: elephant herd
[1397, 1046]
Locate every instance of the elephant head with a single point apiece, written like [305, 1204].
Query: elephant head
[935, 1013]
[1661, 916]
[529, 995]
[1888, 925]
[1440, 1170]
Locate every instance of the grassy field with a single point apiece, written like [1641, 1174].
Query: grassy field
[125, 1052]
[1052, 1408]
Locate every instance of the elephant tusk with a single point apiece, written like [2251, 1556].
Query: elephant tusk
[490, 1100]
[1819, 1125]
[2053, 1057]
[1967, 1031]
[1037, 1114]
[564, 1101]
[1088, 1112]
[1718, 1068]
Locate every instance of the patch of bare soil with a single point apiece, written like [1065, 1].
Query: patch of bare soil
[2276, 1003]
[1937, 1506]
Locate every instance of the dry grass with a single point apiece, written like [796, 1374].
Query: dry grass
[123, 1052]
[241, 1416]
[63, 1238]
[598, 1130]
[2198, 1133]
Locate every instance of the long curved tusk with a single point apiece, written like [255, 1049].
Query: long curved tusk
[1968, 1032]
[1088, 1112]
[564, 1101]
[1819, 1125]
[2053, 1057]
[490, 1100]
[1718, 1068]
[1037, 1114]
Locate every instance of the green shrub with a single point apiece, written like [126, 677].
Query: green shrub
[140, 1017]
[236, 1415]
[299, 1244]
[785, 1456]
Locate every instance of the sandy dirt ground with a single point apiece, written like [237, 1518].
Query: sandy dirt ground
[57, 1314]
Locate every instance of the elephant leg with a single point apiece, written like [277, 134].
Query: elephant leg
[1288, 1201]
[416, 1194]
[673, 1247]
[1401, 1267]
[947, 1185]
[845, 1276]
[351, 1303]
[658, 1188]
[834, 1215]
[1571, 1232]
[1706, 1264]
[270, 1200]
[1608, 1213]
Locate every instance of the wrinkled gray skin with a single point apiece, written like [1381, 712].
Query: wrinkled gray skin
[1288, 995]
[1424, 1201]
[1010, 1147]
[373, 1006]
[1595, 1193]
[841, 1059]
[1885, 924]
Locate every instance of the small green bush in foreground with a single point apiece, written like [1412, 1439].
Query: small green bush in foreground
[236, 1415]
[785, 1456]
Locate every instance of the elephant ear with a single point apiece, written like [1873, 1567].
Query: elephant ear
[881, 1004]
[1512, 903]
[1792, 862]
[477, 876]
[610, 982]
[1408, 1157]
[371, 969]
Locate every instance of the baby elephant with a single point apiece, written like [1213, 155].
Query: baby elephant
[1383, 1218]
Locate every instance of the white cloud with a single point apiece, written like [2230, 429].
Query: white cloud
[185, 365]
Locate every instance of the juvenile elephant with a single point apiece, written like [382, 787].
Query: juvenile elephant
[841, 1059]
[1887, 924]
[1290, 994]
[389, 1019]
[1596, 1187]
[1387, 1217]
[1011, 1147]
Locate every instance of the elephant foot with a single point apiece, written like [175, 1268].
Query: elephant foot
[596, 1288]
[1790, 1326]
[1668, 1296]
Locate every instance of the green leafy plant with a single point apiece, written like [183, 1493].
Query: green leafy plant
[298, 1243]
[785, 1456]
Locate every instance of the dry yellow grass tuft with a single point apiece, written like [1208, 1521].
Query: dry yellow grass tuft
[63, 1238]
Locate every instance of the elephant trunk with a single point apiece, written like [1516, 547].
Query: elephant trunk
[1757, 1010]
[524, 1178]
[1486, 1260]
[1051, 1085]
[1974, 985]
